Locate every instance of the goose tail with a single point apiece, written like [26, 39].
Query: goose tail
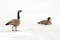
[7, 23]
[39, 23]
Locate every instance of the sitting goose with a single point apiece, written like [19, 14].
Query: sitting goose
[14, 22]
[46, 22]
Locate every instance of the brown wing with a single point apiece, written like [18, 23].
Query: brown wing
[46, 22]
[14, 22]
[43, 21]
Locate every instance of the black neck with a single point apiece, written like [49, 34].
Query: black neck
[48, 19]
[18, 17]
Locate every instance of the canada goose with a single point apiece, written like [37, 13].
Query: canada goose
[46, 22]
[15, 22]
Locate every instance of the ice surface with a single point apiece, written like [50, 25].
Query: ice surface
[33, 12]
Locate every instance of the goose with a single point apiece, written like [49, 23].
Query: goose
[15, 22]
[46, 22]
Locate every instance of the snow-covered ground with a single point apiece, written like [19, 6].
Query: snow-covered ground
[33, 12]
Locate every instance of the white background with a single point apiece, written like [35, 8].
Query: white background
[33, 12]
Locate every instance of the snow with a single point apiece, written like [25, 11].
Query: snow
[33, 12]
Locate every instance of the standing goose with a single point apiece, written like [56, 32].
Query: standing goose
[46, 22]
[15, 22]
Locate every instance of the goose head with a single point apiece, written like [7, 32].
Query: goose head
[19, 10]
[49, 18]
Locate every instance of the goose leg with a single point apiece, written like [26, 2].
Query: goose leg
[12, 28]
[15, 28]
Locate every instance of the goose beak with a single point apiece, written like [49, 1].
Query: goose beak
[21, 12]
